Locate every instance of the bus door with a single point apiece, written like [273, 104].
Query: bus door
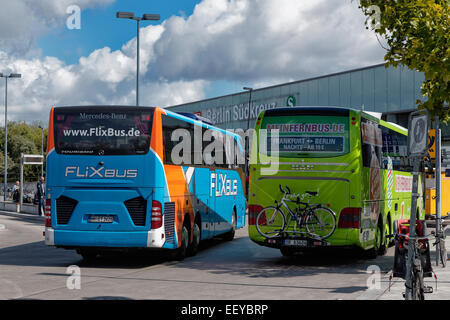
[202, 200]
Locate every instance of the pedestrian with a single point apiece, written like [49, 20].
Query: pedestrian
[40, 195]
[16, 192]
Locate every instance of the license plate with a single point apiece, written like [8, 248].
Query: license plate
[297, 243]
[101, 219]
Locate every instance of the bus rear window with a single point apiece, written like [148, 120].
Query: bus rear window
[306, 136]
[101, 131]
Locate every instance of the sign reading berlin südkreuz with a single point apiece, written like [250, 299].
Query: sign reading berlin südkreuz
[418, 133]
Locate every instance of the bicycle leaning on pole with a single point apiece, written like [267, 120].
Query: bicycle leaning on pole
[310, 220]
[420, 257]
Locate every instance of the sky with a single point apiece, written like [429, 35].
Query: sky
[198, 49]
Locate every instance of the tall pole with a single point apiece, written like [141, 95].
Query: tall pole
[42, 150]
[247, 149]
[438, 189]
[130, 15]
[12, 75]
[5, 174]
[412, 229]
[137, 66]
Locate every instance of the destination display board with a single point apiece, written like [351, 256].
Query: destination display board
[307, 135]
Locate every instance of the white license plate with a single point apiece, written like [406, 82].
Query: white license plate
[297, 243]
[101, 219]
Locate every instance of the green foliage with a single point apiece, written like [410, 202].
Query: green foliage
[22, 138]
[418, 36]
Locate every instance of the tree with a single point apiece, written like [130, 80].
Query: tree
[22, 138]
[418, 36]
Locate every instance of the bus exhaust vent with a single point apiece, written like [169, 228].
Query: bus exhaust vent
[137, 208]
[64, 209]
[169, 221]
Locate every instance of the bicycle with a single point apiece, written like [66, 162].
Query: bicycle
[440, 241]
[416, 285]
[318, 221]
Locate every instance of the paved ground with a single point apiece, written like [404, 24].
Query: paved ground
[238, 270]
[393, 289]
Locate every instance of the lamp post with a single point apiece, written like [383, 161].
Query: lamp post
[5, 176]
[247, 149]
[249, 104]
[130, 15]
[42, 149]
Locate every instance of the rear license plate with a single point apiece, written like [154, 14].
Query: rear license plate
[101, 219]
[297, 243]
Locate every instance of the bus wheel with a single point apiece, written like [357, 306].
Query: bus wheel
[230, 235]
[193, 247]
[384, 240]
[287, 252]
[88, 255]
[182, 250]
[372, 253]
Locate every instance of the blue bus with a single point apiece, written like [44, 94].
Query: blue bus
[132, 177]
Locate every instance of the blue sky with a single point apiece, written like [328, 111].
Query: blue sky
[100, 27]
[199, 49]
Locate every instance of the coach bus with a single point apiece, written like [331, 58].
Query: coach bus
[349, 161]
[122, 178]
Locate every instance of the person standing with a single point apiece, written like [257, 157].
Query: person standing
[16, 192]
[40, 195]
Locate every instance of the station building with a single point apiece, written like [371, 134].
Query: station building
[393, 92]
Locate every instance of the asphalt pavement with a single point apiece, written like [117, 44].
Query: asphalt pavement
[222, 270]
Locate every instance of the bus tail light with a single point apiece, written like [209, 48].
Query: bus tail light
[156, 214]
[47, 213]
[253, 211]
[350, 218]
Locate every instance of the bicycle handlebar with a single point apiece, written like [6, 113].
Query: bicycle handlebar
[284, 191]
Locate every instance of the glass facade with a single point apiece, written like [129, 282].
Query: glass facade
[391, 91]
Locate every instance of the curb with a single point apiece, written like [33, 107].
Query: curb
[375, 294]
[22, 215]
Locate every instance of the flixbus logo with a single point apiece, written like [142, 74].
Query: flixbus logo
[102, 172]
[221, 186]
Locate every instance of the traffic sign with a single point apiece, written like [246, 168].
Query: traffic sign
[418, 133]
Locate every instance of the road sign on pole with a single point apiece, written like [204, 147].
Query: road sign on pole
[417, 150]
[418, 133]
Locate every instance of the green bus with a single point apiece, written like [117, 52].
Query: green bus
[346, 160]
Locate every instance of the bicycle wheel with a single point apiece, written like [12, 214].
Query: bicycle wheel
[270, 222]
[321, 223]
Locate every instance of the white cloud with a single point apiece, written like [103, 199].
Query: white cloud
[259, 42]
[23, 21]
[255, 40]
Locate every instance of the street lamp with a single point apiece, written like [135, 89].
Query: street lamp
[42, 149]
[249, 104]
[11, 75]
[130, 15]
[247, 151]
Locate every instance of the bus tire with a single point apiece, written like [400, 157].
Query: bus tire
[230, 235]
[88, 255]
[182, 250]
[196, 236]
[373, 252]
[287, 252]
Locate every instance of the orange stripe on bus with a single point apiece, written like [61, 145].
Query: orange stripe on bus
[156, 142]
[50, 138]
[179, 193]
